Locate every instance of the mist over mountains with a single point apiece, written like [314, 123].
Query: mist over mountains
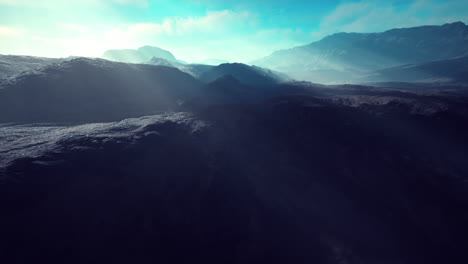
[449, 70]
[138, 157]
[141, 55]
[345, 57]
[355, 57]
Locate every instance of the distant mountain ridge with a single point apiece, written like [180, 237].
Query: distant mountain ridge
[196, 70]
[245, 74]
[450, 70]
[140, 55]
[346, 55]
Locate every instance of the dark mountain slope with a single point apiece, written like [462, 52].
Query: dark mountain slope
[250, 75]
[297, 179]
[93, 90]
[226, 90]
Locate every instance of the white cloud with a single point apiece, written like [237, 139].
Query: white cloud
[142, 3]
[222, 34]
[214, 22]
[11, 31]
[75, 28]
[8, 2]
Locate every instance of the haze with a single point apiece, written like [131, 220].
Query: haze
[196, 31]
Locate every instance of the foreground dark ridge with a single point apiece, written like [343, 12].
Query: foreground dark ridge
[93, 90]
[296, 179]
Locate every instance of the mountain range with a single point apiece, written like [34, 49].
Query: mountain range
[153, 160]
[88, 90]
[346, 57]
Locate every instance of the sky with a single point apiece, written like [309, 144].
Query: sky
[196, 30]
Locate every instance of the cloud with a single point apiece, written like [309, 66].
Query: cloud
[221, 34]
[9, 2]
[75, 28]
[376, 16]
[142, 3]
[11, 31]
[219, 22]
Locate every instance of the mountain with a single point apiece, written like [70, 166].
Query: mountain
[88, 90]
[344, 57]
[332, 175]
[250, 75]
[225, 90]
[451, 70]
[163, 62]
[196, 70]
[11, 65]
[141, 55]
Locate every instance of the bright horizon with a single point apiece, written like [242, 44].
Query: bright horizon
[195, 30]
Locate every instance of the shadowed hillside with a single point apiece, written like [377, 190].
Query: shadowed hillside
[250, 75]
[350, 177]
[87, 90]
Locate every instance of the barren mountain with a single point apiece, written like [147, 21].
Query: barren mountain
[93, 90]
[332, 175]
[250, 75]
[343, 57]
[11, 65]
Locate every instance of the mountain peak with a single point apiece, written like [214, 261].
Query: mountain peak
[140, 55]
[455, 24]
[162, 62]
[245, 74]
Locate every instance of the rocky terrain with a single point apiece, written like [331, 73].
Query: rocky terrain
[87, 90]
[351, 175]
[11, 65]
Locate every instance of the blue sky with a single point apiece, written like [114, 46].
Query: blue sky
[194, 30]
